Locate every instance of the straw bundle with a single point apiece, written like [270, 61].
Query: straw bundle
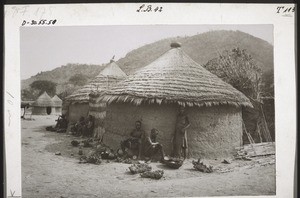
[175, 78]
[109, 76]
[43, 100]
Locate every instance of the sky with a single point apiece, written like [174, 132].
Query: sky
[46, 48]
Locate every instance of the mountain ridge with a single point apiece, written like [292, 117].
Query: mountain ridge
[201, 48]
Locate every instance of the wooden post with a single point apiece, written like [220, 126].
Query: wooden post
[267, 131]
[249, 137]
[258, 131]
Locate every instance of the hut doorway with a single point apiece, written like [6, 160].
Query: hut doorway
[48, 109]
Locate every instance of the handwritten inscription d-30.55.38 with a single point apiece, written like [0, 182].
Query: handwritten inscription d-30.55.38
[39, 22]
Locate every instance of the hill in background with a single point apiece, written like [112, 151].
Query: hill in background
[61, 75]
[202, 48]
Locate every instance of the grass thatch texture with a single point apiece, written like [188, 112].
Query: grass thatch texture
[175, 78]
[100, 83]
[109, 76]
[43, 100]
[112, 69]
[57, 102]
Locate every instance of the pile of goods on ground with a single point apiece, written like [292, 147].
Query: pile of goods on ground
[75, 143]
[96, 155]
[50, 128]
[157, 174]
[200, 166]
[139, 168]
[93, 158]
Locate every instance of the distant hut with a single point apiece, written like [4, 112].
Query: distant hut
[57, 105]
[25, 105]
[77, 104]
[154, 93]
[43, 105]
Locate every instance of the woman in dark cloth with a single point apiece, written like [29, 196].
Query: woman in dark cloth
[62, 124]
[151, 146]
[89, 127]
[78, 128]
[180, 137]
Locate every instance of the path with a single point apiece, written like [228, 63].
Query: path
[47, 175]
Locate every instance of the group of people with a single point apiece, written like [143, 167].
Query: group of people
[61, 125]
[83, 127]
[146, 144]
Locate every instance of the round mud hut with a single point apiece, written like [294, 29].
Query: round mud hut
[154, 94]
[43, 105]
[77, 104]
[57, 105]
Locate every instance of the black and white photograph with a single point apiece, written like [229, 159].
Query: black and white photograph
[178, 109]
[148, 110]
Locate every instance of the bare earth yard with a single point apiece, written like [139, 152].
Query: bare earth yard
[45, 174]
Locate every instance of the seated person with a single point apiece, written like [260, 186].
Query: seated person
[134, 142]
[151, 146]
[62, 124]
[79, 126]
[89, 127]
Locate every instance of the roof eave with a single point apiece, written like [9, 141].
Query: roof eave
[139, 100]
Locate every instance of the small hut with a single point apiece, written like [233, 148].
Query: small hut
[57, 105]
[77, 104]
[26, 108]
[43, 105]
[153, 95]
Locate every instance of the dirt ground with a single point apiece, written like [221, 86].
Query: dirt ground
[45, 174]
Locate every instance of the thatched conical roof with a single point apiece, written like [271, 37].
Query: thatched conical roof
[175, 78]
[112, 69]
[57, 102]
[109, 76]
[43, 100]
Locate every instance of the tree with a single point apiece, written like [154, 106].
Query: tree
[68, 90]
[238, 68]
[44, 85]
[27, 94]
[78, 79]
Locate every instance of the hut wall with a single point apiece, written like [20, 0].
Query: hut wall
[65, 107]
[120, 121]
[77, 110]
[214, 131]
[56, 110]
[39, 111]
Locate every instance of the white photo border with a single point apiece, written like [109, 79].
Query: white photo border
[172, 14]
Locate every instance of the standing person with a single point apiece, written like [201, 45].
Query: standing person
[180, 136]
[151, 146]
